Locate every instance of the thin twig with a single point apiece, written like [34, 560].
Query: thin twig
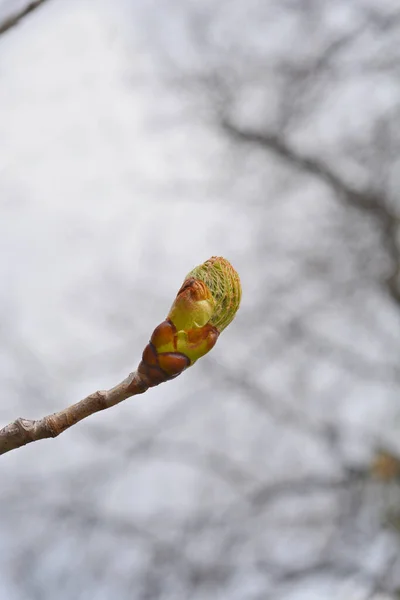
[15, 19]
[24, 431]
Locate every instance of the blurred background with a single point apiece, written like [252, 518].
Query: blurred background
[137, 139]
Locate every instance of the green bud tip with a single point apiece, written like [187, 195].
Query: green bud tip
[223, 283]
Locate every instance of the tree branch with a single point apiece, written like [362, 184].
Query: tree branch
[24, 431]
[277, 145]
[210, 295]
[16, 18]
[363, 200]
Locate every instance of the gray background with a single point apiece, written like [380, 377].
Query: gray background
[136, 140]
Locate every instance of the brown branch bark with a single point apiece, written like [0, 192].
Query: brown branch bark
[24, 431]
[16, 18]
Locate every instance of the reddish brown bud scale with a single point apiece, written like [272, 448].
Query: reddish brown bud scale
[157, 367]
[152, 375]
[173, 363]
[149, 355]
[208, 334]
[164, 335]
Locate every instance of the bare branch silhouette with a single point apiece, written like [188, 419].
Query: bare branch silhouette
[16, 18]
[365, 200]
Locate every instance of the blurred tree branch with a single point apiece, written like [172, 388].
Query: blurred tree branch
[365, 200]
[14, 19]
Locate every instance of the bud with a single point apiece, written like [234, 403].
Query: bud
[205, 304]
